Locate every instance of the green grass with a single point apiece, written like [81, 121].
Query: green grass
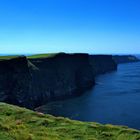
[29, 57]
[41, 55]
[8, 57]
[21, 124]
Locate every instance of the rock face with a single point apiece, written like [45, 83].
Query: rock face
[14, 80]
[34, 82]
[59, 77]
[125, 59]
[102, 64]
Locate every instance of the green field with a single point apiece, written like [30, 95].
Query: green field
[29, 57]
[21, 124]
[41, 55]
[8, 57]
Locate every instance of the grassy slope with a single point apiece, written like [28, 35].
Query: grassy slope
[8, 57]
[29, 57]
[41, 55]
[22, 124]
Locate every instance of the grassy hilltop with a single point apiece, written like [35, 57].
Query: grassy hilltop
[42, 55]
[8, 57]
[21, 124]
[35, 56]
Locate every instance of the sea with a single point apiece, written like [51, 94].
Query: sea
[115, 99]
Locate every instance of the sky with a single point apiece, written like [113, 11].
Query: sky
[86, 26]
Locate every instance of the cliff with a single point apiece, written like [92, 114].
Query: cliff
[15, 80]
[21, 124]
[125, 59]
[59, 77]
[34, 82]
[102, 64]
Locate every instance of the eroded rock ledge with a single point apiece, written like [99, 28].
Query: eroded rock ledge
[34, 82]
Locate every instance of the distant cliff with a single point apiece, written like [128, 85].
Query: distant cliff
[34, 82]
[102, 64]
[125, 59]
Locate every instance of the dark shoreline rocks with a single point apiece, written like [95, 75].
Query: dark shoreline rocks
[34, 82]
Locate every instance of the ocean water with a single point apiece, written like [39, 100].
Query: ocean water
[114, 100]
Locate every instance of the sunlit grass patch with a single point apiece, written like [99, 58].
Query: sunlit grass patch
[22, 124]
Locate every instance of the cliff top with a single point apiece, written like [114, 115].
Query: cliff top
[22, 124]
[52, 55]
[29, 57]
[8, 57]
[49, 55]
[42, 55]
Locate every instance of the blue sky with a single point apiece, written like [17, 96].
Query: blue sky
[91, 26]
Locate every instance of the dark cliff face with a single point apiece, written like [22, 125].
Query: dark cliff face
[102, 64]
[62, 76]
[14, 80]
[125, 59]
[34, 82]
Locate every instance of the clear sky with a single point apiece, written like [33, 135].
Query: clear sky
[91, 26]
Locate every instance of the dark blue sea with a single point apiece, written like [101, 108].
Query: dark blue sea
[114, 100]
